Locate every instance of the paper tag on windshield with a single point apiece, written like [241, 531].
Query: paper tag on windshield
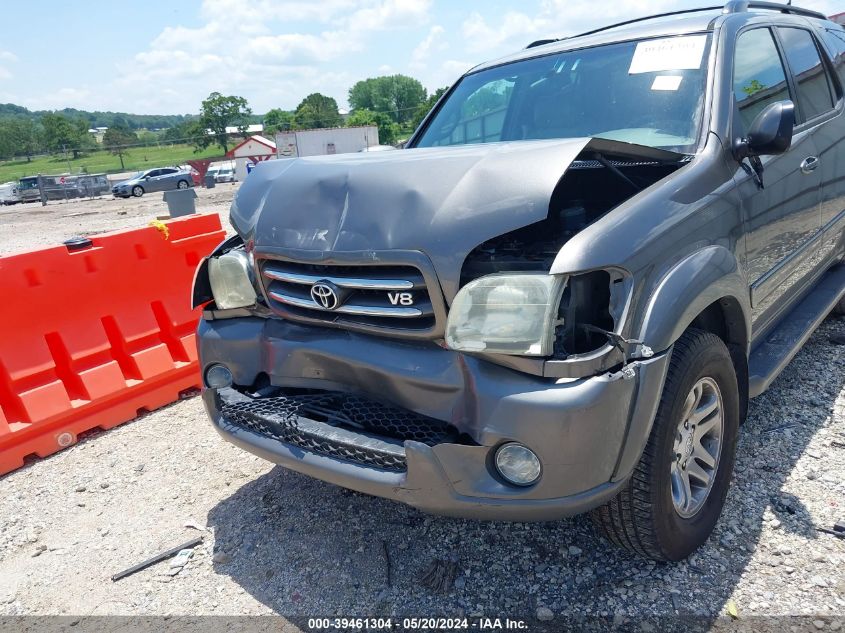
[667, 82]
[671, 53]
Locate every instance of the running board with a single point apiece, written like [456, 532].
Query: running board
[782, 344]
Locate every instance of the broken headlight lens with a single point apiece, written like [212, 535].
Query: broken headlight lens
[230, 276]
[508, 313]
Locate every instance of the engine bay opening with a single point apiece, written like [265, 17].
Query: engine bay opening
[592, 187]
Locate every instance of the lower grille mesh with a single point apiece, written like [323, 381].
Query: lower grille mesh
[277, 417]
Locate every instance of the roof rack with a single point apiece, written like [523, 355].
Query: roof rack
[733, 6]
[742, 6]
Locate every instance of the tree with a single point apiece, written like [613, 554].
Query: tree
[180, 132]
[277, 120]
[19, 136]
[317, 110]
[425, 107]
[216, 114]
[147, 138]
[396, 95]
[388, 130]
[116, 139]
[63, 134]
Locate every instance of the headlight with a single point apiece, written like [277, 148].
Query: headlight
[230, 276]
[507, 313]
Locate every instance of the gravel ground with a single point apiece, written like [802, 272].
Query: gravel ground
[280, 543]
[27, 226]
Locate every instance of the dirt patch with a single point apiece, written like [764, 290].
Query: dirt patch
[28, 226]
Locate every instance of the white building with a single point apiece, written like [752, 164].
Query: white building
[322, 141]
[251, 151]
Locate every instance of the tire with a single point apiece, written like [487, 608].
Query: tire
[137, 191]
[182, 184]
[645, 516]
[839, 308]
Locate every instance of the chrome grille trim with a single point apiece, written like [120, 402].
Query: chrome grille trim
[372, 289]
[344, 282]
[358, 310]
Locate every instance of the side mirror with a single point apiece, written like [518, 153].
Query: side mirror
[770, 133]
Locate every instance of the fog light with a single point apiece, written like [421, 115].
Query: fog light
[518, 464]
[218, 377]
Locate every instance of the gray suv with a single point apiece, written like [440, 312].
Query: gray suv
[562, 295]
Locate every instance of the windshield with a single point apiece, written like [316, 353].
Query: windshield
[649, 92]
[28, 183]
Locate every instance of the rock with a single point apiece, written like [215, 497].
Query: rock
[460, 583]
[575, 550]
[819, 624]
[104, 485]
[80, 489]
[221, 558]
[818, 581]
[544, 614]
[835, 625]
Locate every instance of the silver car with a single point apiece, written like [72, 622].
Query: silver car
[161, 179]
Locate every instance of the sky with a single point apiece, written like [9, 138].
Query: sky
[165, 57]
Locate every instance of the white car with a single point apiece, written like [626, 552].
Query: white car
[225, 174]
[9, 193]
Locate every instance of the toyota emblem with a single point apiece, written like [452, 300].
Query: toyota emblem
[324, 295]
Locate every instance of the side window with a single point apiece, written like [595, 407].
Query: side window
[153, 173]
[759, 76]
[836, 42]
[815, 96]
[166, 172]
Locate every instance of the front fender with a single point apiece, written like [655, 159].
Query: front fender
[694, 283]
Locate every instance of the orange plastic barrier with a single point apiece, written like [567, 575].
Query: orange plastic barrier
[89, 338]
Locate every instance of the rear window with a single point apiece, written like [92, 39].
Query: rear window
[815, 95]
[836, 41]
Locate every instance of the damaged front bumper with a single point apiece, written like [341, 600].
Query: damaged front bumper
[455, 411]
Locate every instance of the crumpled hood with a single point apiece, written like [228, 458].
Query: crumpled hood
[441, 201]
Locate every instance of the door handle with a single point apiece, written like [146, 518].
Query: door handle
[810, 164]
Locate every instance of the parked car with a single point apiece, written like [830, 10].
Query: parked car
[225, 174]
[562, 295]
[161, 179]
[9, 193]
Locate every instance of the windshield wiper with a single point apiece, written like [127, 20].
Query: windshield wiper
[616, 171]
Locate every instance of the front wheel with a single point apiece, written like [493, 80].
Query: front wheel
[182, 184]
[675, 495]
[137, 191]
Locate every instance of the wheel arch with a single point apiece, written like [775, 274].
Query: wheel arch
[706, 288]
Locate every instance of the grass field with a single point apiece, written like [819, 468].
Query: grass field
[135, 159]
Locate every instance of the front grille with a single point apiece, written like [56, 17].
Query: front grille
[373, 296]
[344, 426]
